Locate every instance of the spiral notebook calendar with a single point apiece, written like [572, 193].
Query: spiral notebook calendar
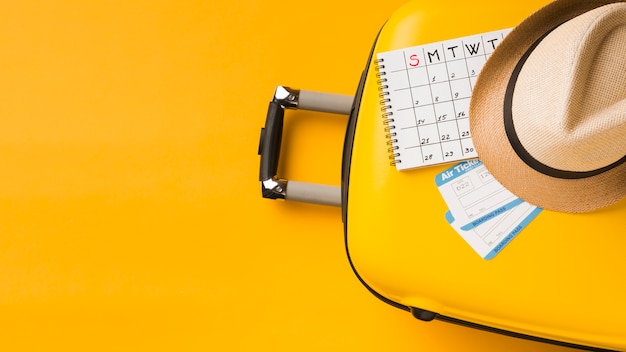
[426, 92]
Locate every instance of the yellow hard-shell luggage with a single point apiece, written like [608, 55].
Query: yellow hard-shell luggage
[559, 281]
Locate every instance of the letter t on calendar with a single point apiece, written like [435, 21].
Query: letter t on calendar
[427, 94]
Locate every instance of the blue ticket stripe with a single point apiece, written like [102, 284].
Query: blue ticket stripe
[503, 209]
[513, 233]
[449, 217]
[456, 171]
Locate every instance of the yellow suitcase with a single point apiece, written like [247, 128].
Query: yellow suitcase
[559, 281]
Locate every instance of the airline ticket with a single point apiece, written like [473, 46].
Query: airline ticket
[481, 210]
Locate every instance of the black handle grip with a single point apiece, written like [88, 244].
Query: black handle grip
[269, 144]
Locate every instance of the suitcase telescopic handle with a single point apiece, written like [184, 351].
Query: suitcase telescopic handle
[273, 187]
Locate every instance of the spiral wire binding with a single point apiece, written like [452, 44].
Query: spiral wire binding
[388, 121]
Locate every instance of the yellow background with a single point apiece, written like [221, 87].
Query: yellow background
[130, 211]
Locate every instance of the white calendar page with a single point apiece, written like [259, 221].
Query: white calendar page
[428, 90]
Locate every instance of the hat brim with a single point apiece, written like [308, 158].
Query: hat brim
[489, 134]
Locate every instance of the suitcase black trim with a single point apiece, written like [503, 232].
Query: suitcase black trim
[418, 313]
[518, 335]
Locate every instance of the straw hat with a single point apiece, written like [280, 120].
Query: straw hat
[548, 112]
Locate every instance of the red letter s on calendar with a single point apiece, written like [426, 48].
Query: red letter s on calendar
[415, 61]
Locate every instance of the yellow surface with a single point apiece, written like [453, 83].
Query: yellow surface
[130, 212]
